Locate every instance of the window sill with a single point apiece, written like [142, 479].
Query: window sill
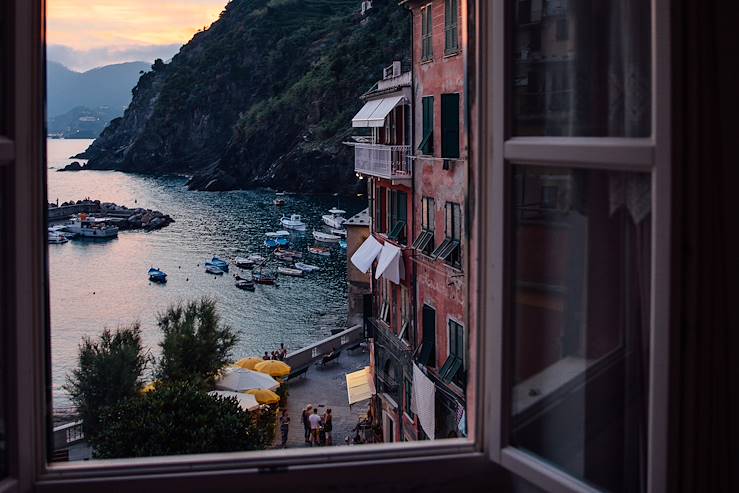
[427, 60]
[451, 54]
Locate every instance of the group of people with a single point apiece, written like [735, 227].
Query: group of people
[279, 354]
[317, 427]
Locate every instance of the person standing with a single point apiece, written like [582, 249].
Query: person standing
[328, 426]
[284, 427]
[315, 427]
[306, 422]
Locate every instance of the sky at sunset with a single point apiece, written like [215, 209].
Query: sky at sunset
[83, 34]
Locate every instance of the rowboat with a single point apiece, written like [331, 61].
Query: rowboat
[319, 251]
[264, 278]
[340, 232]
[212, 269]
[244, 263]
[288, 271]
[245, 284]
[325, 237]
[220, 263]
[287, 253]
[257, 259]
[270, 243]
[306, 267]
[54, 237]
[282, 242]
[279, 202]
[277, 234]
[156, 275]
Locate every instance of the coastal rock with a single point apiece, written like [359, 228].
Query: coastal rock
[262, 98]
[74, 166]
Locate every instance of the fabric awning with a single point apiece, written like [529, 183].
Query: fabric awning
[389, 263]
[366, 254]
[373, 112]
[359, 385]
[424, 401]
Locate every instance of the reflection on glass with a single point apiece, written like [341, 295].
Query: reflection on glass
[581, 68]
[581, 278]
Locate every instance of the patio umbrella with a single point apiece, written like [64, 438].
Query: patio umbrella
[247, 402]
[239, 380]
[248, 363]
[148, 388]
[273, 367]
[264, 396]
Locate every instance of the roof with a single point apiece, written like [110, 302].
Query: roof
[359, 219]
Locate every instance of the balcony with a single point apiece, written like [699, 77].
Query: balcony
[383, 161]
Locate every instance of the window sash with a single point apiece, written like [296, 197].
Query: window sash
[450, 126]
[451, 16]
[427, 45]
[427, 142]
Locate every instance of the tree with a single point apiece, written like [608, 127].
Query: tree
[195, 345]
[180, 418]
[110, 370]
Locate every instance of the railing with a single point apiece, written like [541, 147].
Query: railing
[68, 434]
[304, 357]
[390, 162]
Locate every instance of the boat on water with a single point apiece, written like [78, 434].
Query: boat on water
[335, 218]
[270, 243]
[85, 226]
[264, 277]
[56, 238]
[289, 253]
[340, 232]
[257, 259]
[282, 242]
[156, 275]
[278, 201]
[245, 284]
[319, 251]
[289, 271]
[343, 244]
[212, 269]
[293, 222]
[325, 237]
[306, 267]
[244, 263]
[277, 234]
[220, 263]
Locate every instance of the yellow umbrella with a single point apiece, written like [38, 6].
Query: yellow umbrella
[149, 388]
[273, 368]
[248, 363]
[264, 396]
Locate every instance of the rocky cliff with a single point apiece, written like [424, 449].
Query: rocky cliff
[262, 98]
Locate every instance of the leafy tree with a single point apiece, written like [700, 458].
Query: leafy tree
[195, 345]
[110, 370]
[180, 419]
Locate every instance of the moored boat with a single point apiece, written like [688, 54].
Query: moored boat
[288, 271]
[335, 218]
[212, 269]
[293, 222]
[257, 259]
[319, 251]
[325, 237]
[277, 234]
[220, 263]
[340, 232]
[271, 243]
[245, 284]
[156, 275]
[85, 226]
[244, 263]
[343, 244]
[279, 201]
[306, 267]
[282, 242]
[57, 238]
[263, 277]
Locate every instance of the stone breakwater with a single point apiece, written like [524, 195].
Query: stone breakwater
[123, 217]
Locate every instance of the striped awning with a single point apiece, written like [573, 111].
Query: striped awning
[373, 113]
[359, 385]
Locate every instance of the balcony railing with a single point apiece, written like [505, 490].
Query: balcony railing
[383, 161]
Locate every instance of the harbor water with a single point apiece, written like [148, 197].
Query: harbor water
[94, 284]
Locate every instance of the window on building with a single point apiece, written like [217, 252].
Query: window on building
[405, 331]
[453, 369]
[427, 139]
[398, 216]
[425, 241]
[450, 250]
[408, 393]
[563, 29]
[380, 209]
[427, 38]
[451, 20]
[427, 356]
[450, 126]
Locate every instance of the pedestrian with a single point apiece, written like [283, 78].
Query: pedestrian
[266, 355]
[328, 426]
[306, 422]
[283, 351]
[315, 427]
[284, 426]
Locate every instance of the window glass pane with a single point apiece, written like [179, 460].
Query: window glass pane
[580, 321]
[582, 68]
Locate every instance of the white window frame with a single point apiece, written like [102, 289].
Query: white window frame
[651, 155]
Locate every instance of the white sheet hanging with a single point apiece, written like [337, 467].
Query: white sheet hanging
[424, 401]
[366, 254]
[389, 263]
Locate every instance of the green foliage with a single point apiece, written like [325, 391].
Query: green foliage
[110, 370]
[181, 419]
[195, 345]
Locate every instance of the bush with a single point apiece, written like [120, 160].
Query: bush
[180, 419]
[110, 370]
[195, 346]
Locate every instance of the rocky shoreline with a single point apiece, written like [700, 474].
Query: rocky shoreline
[121, 216]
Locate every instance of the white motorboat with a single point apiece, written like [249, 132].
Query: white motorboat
[335, 218]
[289, 271]
[340, 232]
[326, 237]
[257, 259]
[293, 222]
[277, 234]
[56, 238]
[306, 267]
[85, 226]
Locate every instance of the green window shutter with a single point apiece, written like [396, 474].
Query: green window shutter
[450, 126]
[427, 143]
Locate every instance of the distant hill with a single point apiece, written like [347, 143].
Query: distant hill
[262, 98]
[103, 90]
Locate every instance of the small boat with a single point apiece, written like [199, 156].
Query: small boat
[319, 251]
[334, 218]
[340, 232]
[89, 227]
[270, 243]
[156, 275]
[56, 238]
[277, 234]
[264, 277]
[245, 284]
[288, 271]
[289, 253]
[343, 244]
[279, 201]
[306, 267]
[293, 222]
[325, 237]
[212, 269]
[282, 242]
[220, 263]
[257, 259]
[244, 263]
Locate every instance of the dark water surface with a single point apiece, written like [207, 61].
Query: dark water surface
[104, 284]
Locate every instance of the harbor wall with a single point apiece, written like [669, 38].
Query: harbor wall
[306, 356]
